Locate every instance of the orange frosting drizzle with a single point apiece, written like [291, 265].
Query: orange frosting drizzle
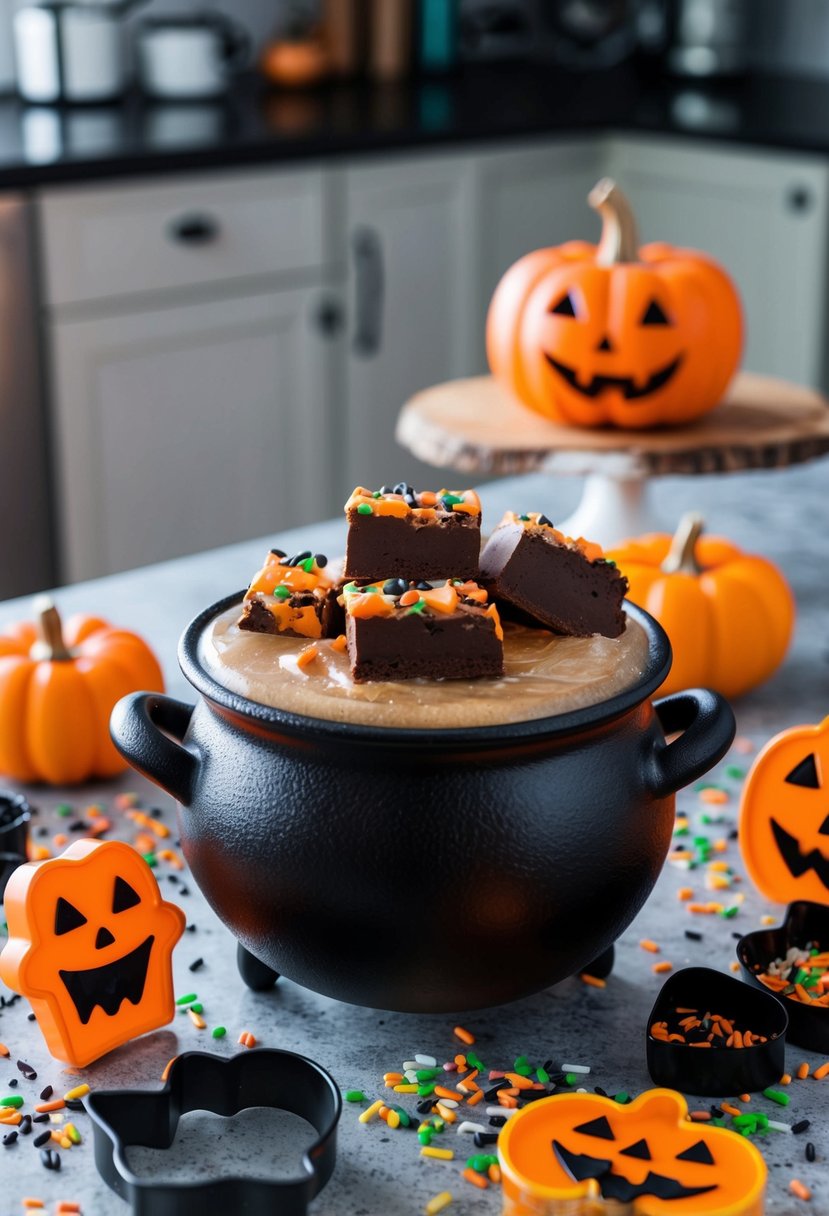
[274, 574]
[369, 600]
[429, 500]
[588, 548]
[303, 621]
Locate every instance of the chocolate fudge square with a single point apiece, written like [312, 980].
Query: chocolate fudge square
[564, 584]
[405, 533]
[399, 630]
[293, 596]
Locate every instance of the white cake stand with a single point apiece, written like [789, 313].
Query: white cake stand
[475, 426]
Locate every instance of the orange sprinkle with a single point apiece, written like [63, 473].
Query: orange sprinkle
[339, 644]
[459, 1032]
[123, 802]
[661, 968]
[720, 845]
[446, 1113]
[60, 840]
[145, 842]
[745, 1097]
[443, 1092]
[307, 656]
[734, 966]
[66, 1206]
[494, 1172]
[743, 745]
[802, 1071]
[11, 1119]
[504, 1099]
[475, 1099]
[699, 1116]
[30, 1203]
[768, 920]
[519, 1082]
[171, 857]
[58, 1104]
[713, 797]
[475, 1178]
[39, 852]
[821, 1072]
[799, 1190]
[4, 1051]
[699, 909]
[785, 1079]
[592, 981]
[407, 598]
[729, 1109]
[101, 825]
[647, 944]
[685, 893]
[461, 1062]
[167, 1068]
[246, 1039]
[197, 1019]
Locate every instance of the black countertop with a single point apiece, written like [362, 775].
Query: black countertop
[41, 144]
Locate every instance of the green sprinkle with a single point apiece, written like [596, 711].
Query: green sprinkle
[525, 518]
[355, 1095]
[188, 999]
[475, 1061]
[14, 1100]
[350, 589]
[64, 810]
[151, 860]
[307, 565]
[376, 494]
[608, 561]
[479, 1162]
[762, 1120]
[405, 1121]
[522, 1066]
[364, 509]
[426, 1089]
[622, 1097]
[570, 1078]
[426, 1074]
[420, 606]
[542, 1075]
[686, 831]
[735, 772]
[218, 1032]
[439, 1125]
[425, 1136]
[744, 1121]
[730, 913]
[197, 1007]
[73, 1134]
[774, 1095]
[282, 592]
[450, 499]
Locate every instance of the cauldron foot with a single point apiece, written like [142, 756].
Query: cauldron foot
[256, 974]
[601, 967]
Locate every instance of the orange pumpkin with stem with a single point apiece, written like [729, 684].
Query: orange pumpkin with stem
[729, 615]
[57, 690]
[614, 333]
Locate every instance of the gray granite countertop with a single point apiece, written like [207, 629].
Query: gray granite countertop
[782, 515]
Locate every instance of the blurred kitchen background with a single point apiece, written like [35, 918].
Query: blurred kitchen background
[233, 242]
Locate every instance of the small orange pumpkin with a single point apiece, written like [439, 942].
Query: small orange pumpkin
[57, 690]
[614, 333]
[784, 825]
[729, 615]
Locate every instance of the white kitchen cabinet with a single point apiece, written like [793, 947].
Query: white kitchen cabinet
[409, 230]
[764, 216]
[182, 428]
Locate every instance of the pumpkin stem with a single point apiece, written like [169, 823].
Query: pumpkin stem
[620, 239]
[51, 630]
[681, 557]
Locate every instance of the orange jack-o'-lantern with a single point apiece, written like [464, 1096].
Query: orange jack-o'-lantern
[90, 941]
[573, 1147]
[784, 816]
[615, 333]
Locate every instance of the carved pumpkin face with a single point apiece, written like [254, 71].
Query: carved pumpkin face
[647, 1154]
[613, 333]
[90, 941]
[784, 816]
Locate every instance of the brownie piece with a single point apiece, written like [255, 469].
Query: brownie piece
[567, 585]
[399, 532]
[293, 596]
[401, 630]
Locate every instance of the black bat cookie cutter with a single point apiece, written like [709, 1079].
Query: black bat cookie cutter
[199, 1080]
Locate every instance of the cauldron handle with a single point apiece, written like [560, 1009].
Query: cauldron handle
[708, 726]
[137, 727]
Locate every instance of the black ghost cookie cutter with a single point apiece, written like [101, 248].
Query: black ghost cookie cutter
[199, 1080]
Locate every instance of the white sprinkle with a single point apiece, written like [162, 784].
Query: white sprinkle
[470, 1128]
[778, 1127]
[450, 1102]
[410, 1065]
[426, 1061]
[583, 1068]
[411, 1076]
[506, 1111]
[581, 1090]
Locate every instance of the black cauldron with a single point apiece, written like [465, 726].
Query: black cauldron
[418, 870]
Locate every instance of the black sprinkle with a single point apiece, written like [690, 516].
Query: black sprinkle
[30, 1017]
[423, 586]
[13, 1083]
[425, 1106]
[45, 1094]
[156, 812]
[74, 1104]
[532, 1095]
[542, 519]
[50, 1159]
[278, 552]
[482, 1139]
[25, 1127]
[321, 560]
[802, 1126]
[547, 1065]
[716, 1112]
[597, 1089]
[42, 1138]
[77, 825]
[43, 830]
[736, 936]
[184, 890]
[44, 1118]
[196, 964]
[9, 1138]
[191, 928]
[172, 877]
[497, 1120]
[733, 834]
[693, 935]
[27, 1070]
[810, 1151]
[492, 1094]
[395, 586]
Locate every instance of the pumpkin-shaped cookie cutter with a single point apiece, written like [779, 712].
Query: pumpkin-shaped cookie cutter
[200, 1080]
[717, 1071]
[804, 922]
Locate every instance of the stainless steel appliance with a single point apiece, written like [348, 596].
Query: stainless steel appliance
[26, 556]
[71, 50]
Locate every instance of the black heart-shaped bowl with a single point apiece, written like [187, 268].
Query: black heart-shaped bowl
[718, 1071]
[804, 922]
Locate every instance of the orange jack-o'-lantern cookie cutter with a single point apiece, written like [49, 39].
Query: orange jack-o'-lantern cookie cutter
[90, 943]
[593, 1154]
[784, 816]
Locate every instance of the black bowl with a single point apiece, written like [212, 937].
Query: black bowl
[718, 1071]
[15, 814]
[803, 922]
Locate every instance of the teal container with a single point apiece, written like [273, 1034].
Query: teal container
[438, 35]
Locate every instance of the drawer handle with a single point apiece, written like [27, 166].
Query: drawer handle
[369, 286]
[194, 229]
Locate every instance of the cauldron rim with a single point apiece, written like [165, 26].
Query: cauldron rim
[285, 722]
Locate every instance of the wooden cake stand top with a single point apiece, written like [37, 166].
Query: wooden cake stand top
[475, 426]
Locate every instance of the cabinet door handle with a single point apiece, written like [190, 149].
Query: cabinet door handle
[329, 317]
[369, 286]
[194, 229]
[800, 199]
